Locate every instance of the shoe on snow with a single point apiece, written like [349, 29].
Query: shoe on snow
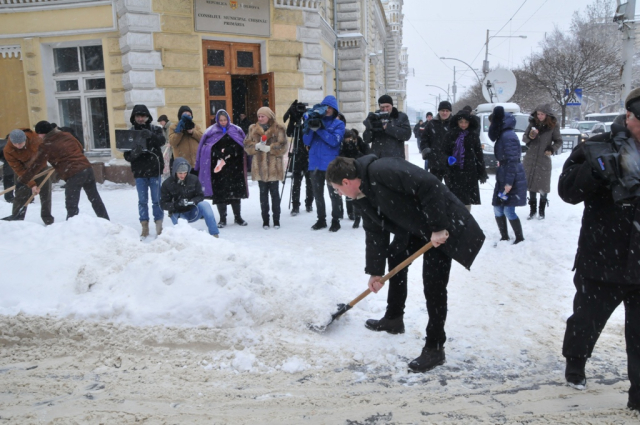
[392, 326]
[320, 224]
[429, 359]
[574, 373]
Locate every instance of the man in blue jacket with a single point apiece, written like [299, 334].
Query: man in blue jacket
[323, 139]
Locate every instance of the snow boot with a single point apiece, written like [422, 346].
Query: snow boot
[517, 229]
[335, 225]
[356, 222]
[265, 224]
[222, 210]
[158, 227]
[145, 229]
[295, 211]
[502, 226]
[574, 372]
[309, 208]
[276, 224]
[392, 326]
[634, 405]
[428, 359]
[320, 224]
[532, 204]
[543, 204]
[236, 213]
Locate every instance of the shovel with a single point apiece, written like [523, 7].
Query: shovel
[33, 195]
[35, 177]
[343, 308]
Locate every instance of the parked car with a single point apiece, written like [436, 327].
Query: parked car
[482, 112]
[601, 127]
[585, 128]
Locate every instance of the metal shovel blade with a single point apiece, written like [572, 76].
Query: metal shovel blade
[342, 309]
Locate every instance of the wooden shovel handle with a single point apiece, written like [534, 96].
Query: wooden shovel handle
[33, 195]
[35, 177]
[393, 272]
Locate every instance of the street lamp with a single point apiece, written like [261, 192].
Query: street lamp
[470, 67]
[485, 64]
[446, 91]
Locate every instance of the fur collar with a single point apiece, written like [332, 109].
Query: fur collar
[256, 131]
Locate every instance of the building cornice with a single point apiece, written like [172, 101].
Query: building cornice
[12, 50]
[21, 6]
[308, 5]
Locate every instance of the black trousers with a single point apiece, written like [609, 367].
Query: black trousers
[351, 209]
[295, 189]
[266, 189]
[7, 181]
[435, 277]
[318, 181]
[22, 195]
[86, 180]
[593, 304]
[235, 207]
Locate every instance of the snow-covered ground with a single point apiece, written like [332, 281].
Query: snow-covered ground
[98, 327]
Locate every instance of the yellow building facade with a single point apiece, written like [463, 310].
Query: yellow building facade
[85, 64]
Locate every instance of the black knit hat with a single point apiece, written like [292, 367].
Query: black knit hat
[184, 109]
[43, 127]
[445, 104]
[385, 98]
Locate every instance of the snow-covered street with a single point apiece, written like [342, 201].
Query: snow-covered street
[98, 327]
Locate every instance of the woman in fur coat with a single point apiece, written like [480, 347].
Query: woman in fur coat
[267, 142]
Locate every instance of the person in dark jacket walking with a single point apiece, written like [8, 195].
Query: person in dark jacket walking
[353, 147]
[387, 129]
[147, 164]
[543, 139]
[399, 197]
[432, 145]
[510, 190]
[182, 197]
[324, 146]
[298, 160]
[606, 264]
[466, 160]
[222, 167]
[7, 174]
[417, 130]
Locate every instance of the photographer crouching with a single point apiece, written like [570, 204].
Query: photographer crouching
[387, 129]
[604, 173]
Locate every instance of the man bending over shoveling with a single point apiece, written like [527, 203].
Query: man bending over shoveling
[398, 197]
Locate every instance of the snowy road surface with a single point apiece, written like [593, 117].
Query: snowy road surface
[98, 327]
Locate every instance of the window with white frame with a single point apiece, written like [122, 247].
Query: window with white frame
[80, 93]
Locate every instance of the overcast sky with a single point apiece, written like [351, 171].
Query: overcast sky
[458, 29]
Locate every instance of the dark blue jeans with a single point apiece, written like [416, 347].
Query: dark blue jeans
[195, 213]
[144, 185]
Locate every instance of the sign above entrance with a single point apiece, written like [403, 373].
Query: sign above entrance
[246, 17]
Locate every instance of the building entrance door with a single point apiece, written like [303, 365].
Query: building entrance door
[233, 81]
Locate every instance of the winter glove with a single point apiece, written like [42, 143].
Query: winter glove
[549, 149]
[425, 153]
[135, 152]
[146, 134]
[483, 178]
[262, 147]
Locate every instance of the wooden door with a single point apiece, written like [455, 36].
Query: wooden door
[261, 93]
[217, 95]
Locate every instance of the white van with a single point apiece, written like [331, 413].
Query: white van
[482, 112]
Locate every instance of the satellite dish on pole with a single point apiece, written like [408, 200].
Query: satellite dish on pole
[499, 86]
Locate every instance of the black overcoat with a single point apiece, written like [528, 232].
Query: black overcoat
[609, 243]
[400, 197]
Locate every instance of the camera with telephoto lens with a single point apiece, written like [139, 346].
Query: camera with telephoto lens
[314, 118]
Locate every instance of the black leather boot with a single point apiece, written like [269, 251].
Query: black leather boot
[222, 210]
[335, 225]
[236, 212]
[392, 326]
[428, 359]
[356, 222]
[517, 229]
[544, 202]
[502, 226]
[574, 372]
[533, 203]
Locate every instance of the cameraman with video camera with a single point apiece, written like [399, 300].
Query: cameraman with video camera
[147, 163]
[298, 158]
[387, 129]
[184, 136]
[604, 173]
[323, 133]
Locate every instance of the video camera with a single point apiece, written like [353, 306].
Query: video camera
[314, 117]
[301, 107]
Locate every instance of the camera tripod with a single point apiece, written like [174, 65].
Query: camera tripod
[291, 162]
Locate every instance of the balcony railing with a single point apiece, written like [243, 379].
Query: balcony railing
[31, 3]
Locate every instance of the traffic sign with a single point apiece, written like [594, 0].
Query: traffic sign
[576, 97]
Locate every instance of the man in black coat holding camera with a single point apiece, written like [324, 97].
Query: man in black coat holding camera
[604, 173]
[398, 197]
[147, 163]
[387, 129]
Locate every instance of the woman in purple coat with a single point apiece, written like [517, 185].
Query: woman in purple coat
[221, 164]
